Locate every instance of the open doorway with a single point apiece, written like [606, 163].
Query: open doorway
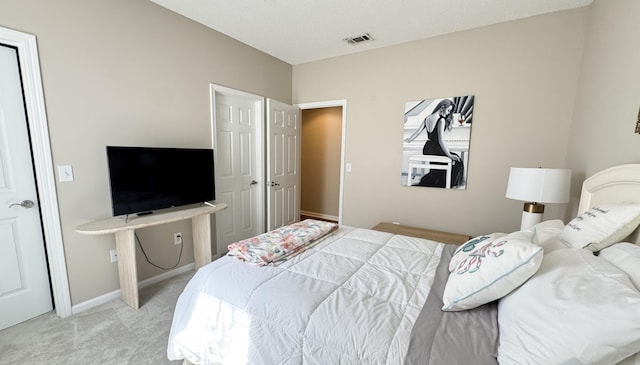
[322, 160]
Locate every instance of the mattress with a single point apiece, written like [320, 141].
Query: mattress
[353, 297]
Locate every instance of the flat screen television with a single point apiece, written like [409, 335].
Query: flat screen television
[143, 179]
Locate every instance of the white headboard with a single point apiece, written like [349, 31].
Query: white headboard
[618, 184]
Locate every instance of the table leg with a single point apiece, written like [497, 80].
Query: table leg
[127, 271]
[201, 226]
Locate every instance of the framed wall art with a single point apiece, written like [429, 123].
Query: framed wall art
[436, 140]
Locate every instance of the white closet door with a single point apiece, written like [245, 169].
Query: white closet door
[24, 279]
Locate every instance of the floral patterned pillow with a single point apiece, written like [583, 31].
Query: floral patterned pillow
[463, 251]
[489, 270]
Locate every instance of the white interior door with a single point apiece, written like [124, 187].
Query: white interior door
[283, 164]
[24, 280]
[239, 166]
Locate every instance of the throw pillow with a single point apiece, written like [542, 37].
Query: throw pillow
[601, 226]
[492, 269]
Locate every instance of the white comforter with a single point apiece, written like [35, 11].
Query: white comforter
[351, 299]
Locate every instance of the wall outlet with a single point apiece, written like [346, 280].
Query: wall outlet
[114, 255]
[177, 238]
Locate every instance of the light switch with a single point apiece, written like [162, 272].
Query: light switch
[65, 173]
[348, 167]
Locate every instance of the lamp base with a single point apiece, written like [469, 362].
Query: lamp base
[531, 215]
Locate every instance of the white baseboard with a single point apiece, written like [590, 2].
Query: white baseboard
[319, 215]
[91, 303]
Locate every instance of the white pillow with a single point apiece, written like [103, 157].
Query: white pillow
[626, 257]
[552, 244]
[547, 235]
[602, 226]
[546, 230]
[492, 269]
[577, 309]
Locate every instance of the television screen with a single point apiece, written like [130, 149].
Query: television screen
[143, 179]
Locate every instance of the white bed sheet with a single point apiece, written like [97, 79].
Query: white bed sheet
[633, 360]
[352, 298]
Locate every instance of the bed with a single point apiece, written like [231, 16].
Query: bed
[552, 294]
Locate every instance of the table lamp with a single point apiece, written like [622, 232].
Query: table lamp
[536, 186]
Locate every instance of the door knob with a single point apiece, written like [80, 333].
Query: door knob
[24, 204]
[253, 182]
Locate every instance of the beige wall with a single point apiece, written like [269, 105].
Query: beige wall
[320, 160]
[602, 134]
[524, 76]
[128, 72]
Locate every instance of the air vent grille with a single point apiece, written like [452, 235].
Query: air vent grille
[359, 39]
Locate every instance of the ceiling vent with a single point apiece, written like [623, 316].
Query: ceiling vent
[359, 39]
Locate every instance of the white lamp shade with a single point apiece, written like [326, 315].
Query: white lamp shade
[539, 185]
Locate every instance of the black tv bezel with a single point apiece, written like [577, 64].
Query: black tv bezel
[121, 207]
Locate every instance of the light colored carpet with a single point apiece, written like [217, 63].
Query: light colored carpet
[112, 333]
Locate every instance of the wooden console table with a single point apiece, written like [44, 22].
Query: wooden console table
[430, 234]
[125, 240]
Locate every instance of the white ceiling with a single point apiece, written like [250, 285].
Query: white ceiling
[299, 31]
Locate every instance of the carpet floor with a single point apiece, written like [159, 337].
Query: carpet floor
[112, 333]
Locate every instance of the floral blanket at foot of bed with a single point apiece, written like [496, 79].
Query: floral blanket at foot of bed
[278, 245]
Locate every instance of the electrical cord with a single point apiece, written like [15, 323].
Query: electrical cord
[151, 263]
